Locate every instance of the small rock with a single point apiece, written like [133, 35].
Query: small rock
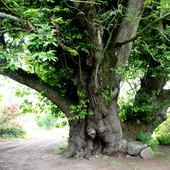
[129, 156]
[123, 146]
[134, 148]
[147, 153]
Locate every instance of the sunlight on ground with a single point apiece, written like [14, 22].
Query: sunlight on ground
[34, 131]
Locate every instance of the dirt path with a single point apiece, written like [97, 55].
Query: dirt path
[39, 155]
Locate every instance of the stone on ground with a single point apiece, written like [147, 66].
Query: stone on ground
[147, 153]
[135, 147]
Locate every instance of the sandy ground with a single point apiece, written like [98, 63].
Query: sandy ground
[38, 154]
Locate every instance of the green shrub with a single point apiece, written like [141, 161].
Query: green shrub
[12, 132]
[149, 140]
[163, 139]
[162, 132]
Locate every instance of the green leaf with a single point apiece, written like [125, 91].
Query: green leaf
[54, 44]
[138, 121]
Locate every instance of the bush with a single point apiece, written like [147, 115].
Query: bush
[12, 132]
[163, 139]
[162, 132]
[149, 140]
[9, 127]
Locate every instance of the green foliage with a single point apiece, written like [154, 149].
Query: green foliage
[163, 139]
[81, 109]
[46, 120]
[13, 132]
[149, 140]
[105, 94]
[140, 108]
[47, 113]
[162, 132]
[119, 70]
[0, 97]
[153, 45]
[37, 50]
[36, 102]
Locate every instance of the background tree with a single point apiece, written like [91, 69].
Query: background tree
[151, 55]
[72, 52]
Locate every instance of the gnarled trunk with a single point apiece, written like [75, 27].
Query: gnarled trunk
[100, 132]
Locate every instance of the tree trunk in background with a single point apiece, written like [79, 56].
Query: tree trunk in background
[151, 95]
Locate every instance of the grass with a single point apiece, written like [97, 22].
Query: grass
[115, 163]
[134, 166]
[159, 153]
[59, 149]
[105, 157]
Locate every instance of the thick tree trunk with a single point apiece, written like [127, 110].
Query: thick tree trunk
[102, 132]
[152, 95]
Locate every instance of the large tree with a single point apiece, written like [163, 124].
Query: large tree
[72, 52]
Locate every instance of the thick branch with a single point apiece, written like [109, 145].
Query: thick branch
[149, 26]
[33, 81]
[16, 19]
[25, 23]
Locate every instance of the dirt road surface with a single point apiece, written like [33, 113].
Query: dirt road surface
[38, 154]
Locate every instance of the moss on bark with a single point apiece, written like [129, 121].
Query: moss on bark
[131, 129]
[110, 61]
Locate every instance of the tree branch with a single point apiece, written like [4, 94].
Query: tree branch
[16, 19]
[149, 26]
[33, 81]
[90, 2]
[17, 29]
[25, 23]
[6, 6]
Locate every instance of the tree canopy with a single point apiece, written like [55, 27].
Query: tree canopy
[75, 53]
